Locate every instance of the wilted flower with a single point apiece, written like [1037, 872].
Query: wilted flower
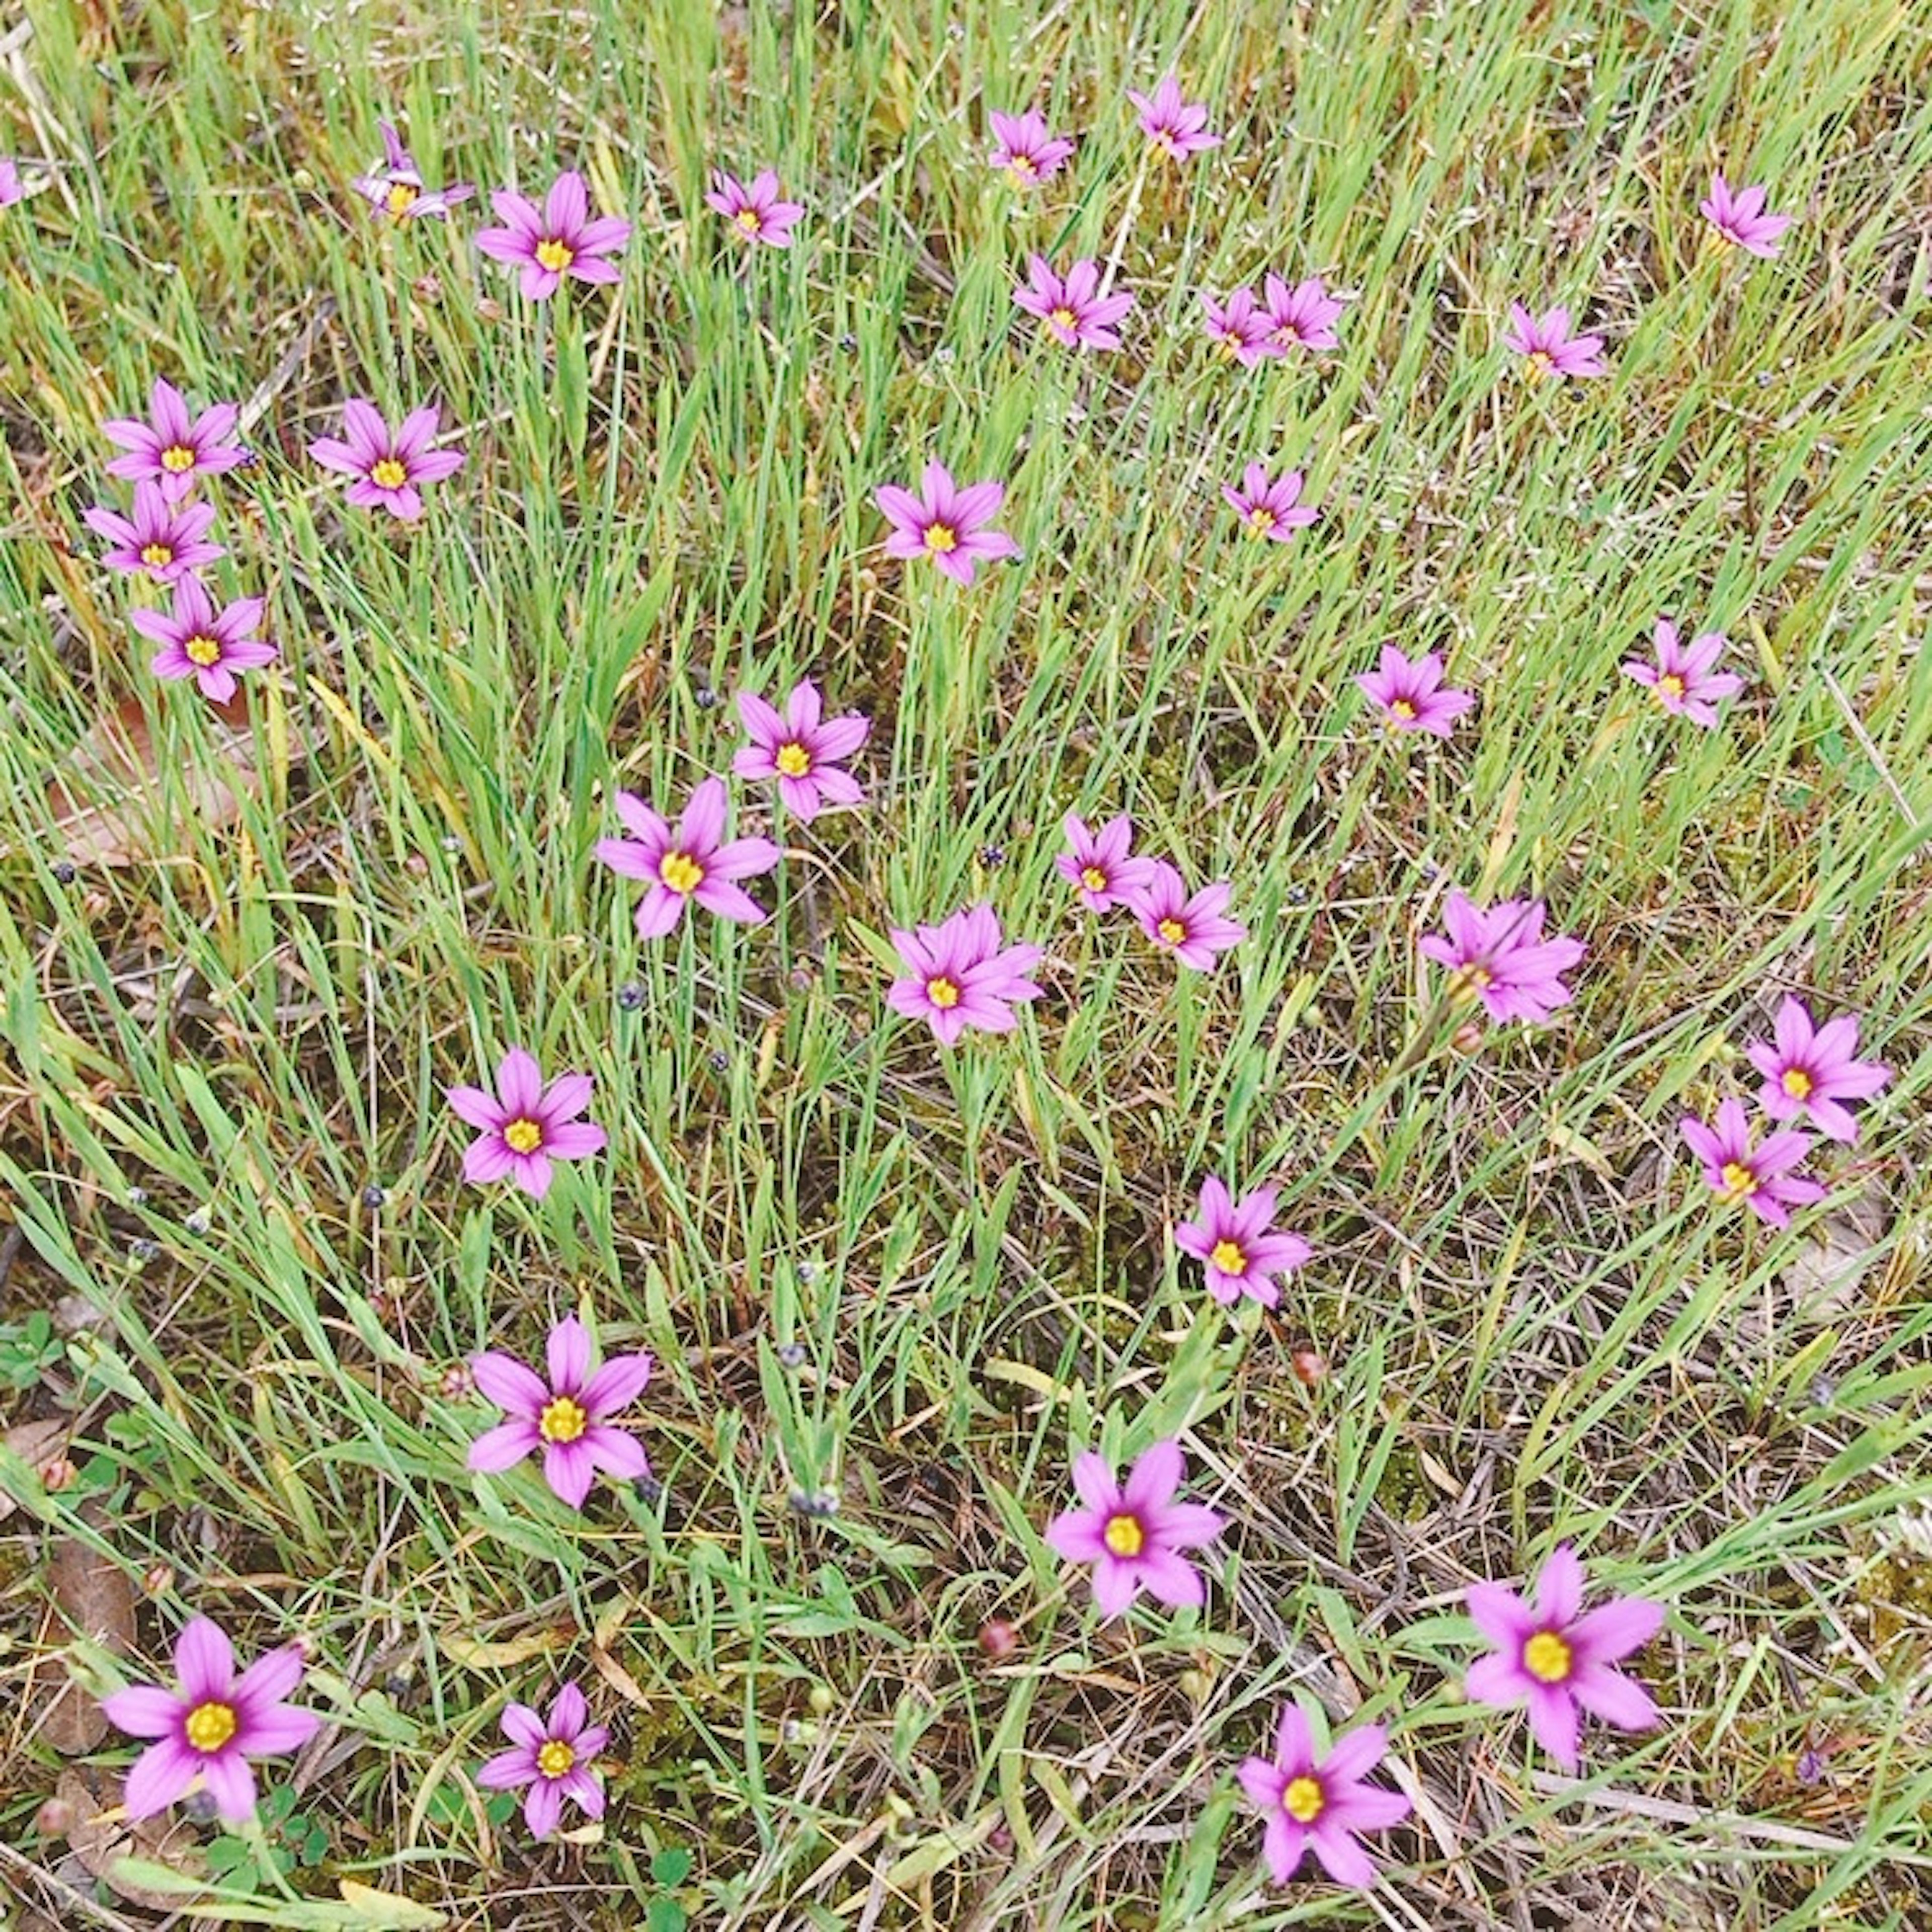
[1412, 696]
[553, 1756]
[801, 750]
[1760, 1176]
[1808, 1070]
[755, 212]
[173, 448]
[1739, 217]
[568, 1417]
[1242, 330]
[1321, 1802]
[1301, 316]
[395, 187]
[1101, 863]
[389, 466]
[1501, 957]
[946, 523]
[1078, 315]
[960, 974]
[691, 860]
[200, 642]
[1194, 930]
[1547, 346]
[1238, 1244]
[162, 539]
[1026, 150]
[1270, 507]
[1559, 1662]
[561, 239]
[1684, 677]
[1133, 1532]
[212, 1725]
[525, 1125]
[1177, 127]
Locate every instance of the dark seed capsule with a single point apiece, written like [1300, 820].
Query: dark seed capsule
[991, 856]
[63, 871]
[372, 1196]
[647, 1489]
[199, 1806]
[137, 1197]
[849, 343]
[807, 1273]
[140, 1249]
[706, 698]
[721, 1060]
[792, 1355]
[630, 996]
[198, 1222]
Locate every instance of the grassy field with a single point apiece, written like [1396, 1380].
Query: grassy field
[893, 1289]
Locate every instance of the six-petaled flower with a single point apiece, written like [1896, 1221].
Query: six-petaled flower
[1194, 927]
[1314, 1800]
[691, 862]
[1026, 149]
[1809, 1070]
[553, 1756]
[1238, 1246]
[395, 187]
[390, 466]
[1177, 126]
[165, 540]
[1759, 1176]
[199, 641]
[1684, 678]
[1500, 957]
[1740, 216]
[526, 1124]
[1547, 347]
[756, 212]
[1077, 315]
[1270, 506]
[804, 751]
[174, 448]
[962, 973]
[1101, 865]
[561, 239]
[1134, 1533]
[1411, 696]
[947, 523]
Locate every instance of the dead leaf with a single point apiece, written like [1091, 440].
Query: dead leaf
[37, 1444]
[100, 1838]
[478, 1653]
[620, 1679]
[1823, 1277]
[93, 1599]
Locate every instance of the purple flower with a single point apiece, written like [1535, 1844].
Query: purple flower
[1302, 317]
[1194, 930]
[1238, 1244]
[525, 1125]
[200, 642]
[961, 972]
[1177, 127]
[1683, 677]
[1502, 956]
[1133, 1533]
[1412, 696]
[756, 212]
[173, 448]
[1739, 217]
[1073, 309]
[10, 188]
[1759, 1176]
[395, 186]
[1027, 151]
[1547, 346]
[1242, 331]
[162, 539]
[1321, 1802]
[1270, 507]
[1101, 864]
[568, 1416]
[560, 239]
[1809, 1069]
[211, 1725]
[691, 860]
[553, 1755]
[802, 752]
[389, 466]
[947, 524]
[1557, 1661]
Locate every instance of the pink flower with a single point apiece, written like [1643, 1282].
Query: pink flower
[1074, 310]
[1270, 507]
[960, 973]
[1242, 330]
[1412, 696]
[1760, 1177]
[1558, 1662]
[1502, 956]
[756, 212]
[389, 466]
[1100, 863]
[200, 642]
[1739, 217]
[567, 1416]
[1238, 1244]
[162, 539]
[1194, 930]
[394, 186]
[947, 524]
[1547, 346]
[1321, 1802]
[1683, 678]
[1809, 1069]
[1133, 1533]
[803, 752]
[211, 1725]
[561, 239]
[1177, 127]
[173, 448]
[10, 188]
[1300, 317]
[525, 1125]
[691, 860]
[1026, 150]
[553, 1756]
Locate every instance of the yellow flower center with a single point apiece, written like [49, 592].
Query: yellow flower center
[210, 1726]
[1303, 1800]
[176, 458]
[1022, 165]
[1670, 685]
[202, 651]
[555, 1757]
[680, 871]
[1467, 979]
[1228, 1257]
[942, 539]
[1797, 1083]
[943, 993]
[562, 1419]
[794, 760]
[1172, 931]
[1740, 1183]
[1401, 708]
[388, 474]
[524, 1136]
[1231, 344]
[1537, 364]
[401, 198]
[1124, 1536]
[1061, 318]
[157, 555]
[1546, 1657]
[748, 220]
[1287, 335]
[555, 256]
[1092, 878]
[1261, 520]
